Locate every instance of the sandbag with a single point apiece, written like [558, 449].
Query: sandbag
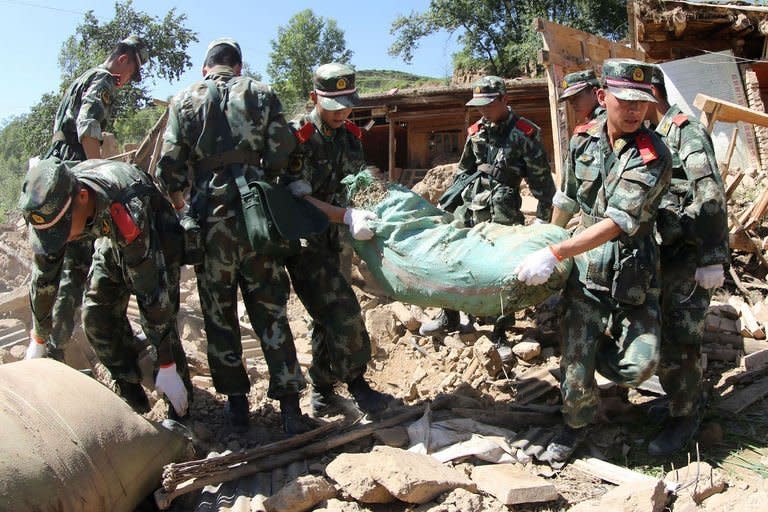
[422, 255]
[70, 444]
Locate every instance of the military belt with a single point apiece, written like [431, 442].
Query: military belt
[590, 220]
[233, 156]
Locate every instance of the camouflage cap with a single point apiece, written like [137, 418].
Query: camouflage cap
[140, 53]
[223, 40]
[574, 83]
[628, 79]
[487, 90]
[46, 199]
[335, 86]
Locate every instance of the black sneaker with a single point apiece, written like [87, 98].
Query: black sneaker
[237, 409]
[294, 422]
[564, 444]
[446, 321]
[675, 435]
[133, 394]
[368, 400]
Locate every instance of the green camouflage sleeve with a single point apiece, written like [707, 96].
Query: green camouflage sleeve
[635, 199]
[95, 106]
[46, 272]
[172, 167]
[565, 197]
[280, 142]
[468, 160]
[708, 209]
[539, 176]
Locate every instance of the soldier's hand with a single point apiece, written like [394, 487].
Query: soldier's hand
[169, 383]
[536, 267]
[300, 188]
[357, 220]
[182, 212]
[36, 348]
[711, 276]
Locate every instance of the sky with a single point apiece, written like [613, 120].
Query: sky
[32, 32]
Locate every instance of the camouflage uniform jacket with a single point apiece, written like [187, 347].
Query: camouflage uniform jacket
[327, 155]
[86, 107]
[515, 145]
[693, 211]
[129, 213]
[258, 128]
[624, 183]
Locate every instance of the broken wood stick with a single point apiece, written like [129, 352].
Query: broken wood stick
[609, 472]
[509, 419]
[163, 498]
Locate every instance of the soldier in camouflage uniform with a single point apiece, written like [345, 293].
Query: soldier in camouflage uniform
[501, 149]
[138, 252]
[580, 91]
[263, 143]
[77, 133]
[693, 234]
[616, 174]
[329, 148]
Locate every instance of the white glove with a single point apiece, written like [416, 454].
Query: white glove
[169, 383]
[36, 348]
[357, 220]
[536, 267]
[300, 188]
[711, 276]
[539, 221]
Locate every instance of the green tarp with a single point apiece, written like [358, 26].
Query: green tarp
[421, 256]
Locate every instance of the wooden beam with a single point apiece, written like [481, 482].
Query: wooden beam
[391, 149]
[729, 153]
[728, 112]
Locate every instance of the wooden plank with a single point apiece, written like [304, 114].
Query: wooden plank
[610, 472]
[756, 360]
[733, 183]
[391, 150]
[728, 112]
[729, 154]
[557, 135]
[740, 400]
[533, 384]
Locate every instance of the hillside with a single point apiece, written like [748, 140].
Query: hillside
[379, 80]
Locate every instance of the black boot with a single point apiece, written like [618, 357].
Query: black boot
[446, 321]
[323, 401]
[564, 444]
[133, 394]
[675, 435]
[368, 400]
[237, 409]
[294, 422]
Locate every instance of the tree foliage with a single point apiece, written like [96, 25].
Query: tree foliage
[497, 36]
[307, 42]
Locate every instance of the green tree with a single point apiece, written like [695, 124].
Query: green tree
[307, 42]
[497, 36]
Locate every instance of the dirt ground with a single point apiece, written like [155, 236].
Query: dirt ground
[416, 370]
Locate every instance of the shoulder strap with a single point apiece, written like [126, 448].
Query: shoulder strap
[473, 129]
[305, 132]
[526, 127]
[353, 129]
[646, 148]
[680, 119]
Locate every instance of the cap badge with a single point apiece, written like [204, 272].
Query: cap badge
[565, 84]
[478, 89]
[37, 219]
[638, 75]
[341, 84]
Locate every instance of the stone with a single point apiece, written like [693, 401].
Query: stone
[201, 431]
[409, 477]
[709, 481]
[383, 327]
[405, 315]
[336, 505]
[489, 358]
[301, 494]
[642, 496]
[17, 352]
[396, 436]
[512, 485]
[527, 349]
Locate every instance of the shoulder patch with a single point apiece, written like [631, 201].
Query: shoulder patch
[304, 133]
[525, 127]
[645, 146]
[473, 129]
[582, 128]
[353, 129]
[124, 222]
[680, 119]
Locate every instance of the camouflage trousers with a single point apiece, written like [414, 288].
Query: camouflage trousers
[341, 347]
[69, 297]
[683, 310]
[229, 263]
[106, 324]
[618, 340]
